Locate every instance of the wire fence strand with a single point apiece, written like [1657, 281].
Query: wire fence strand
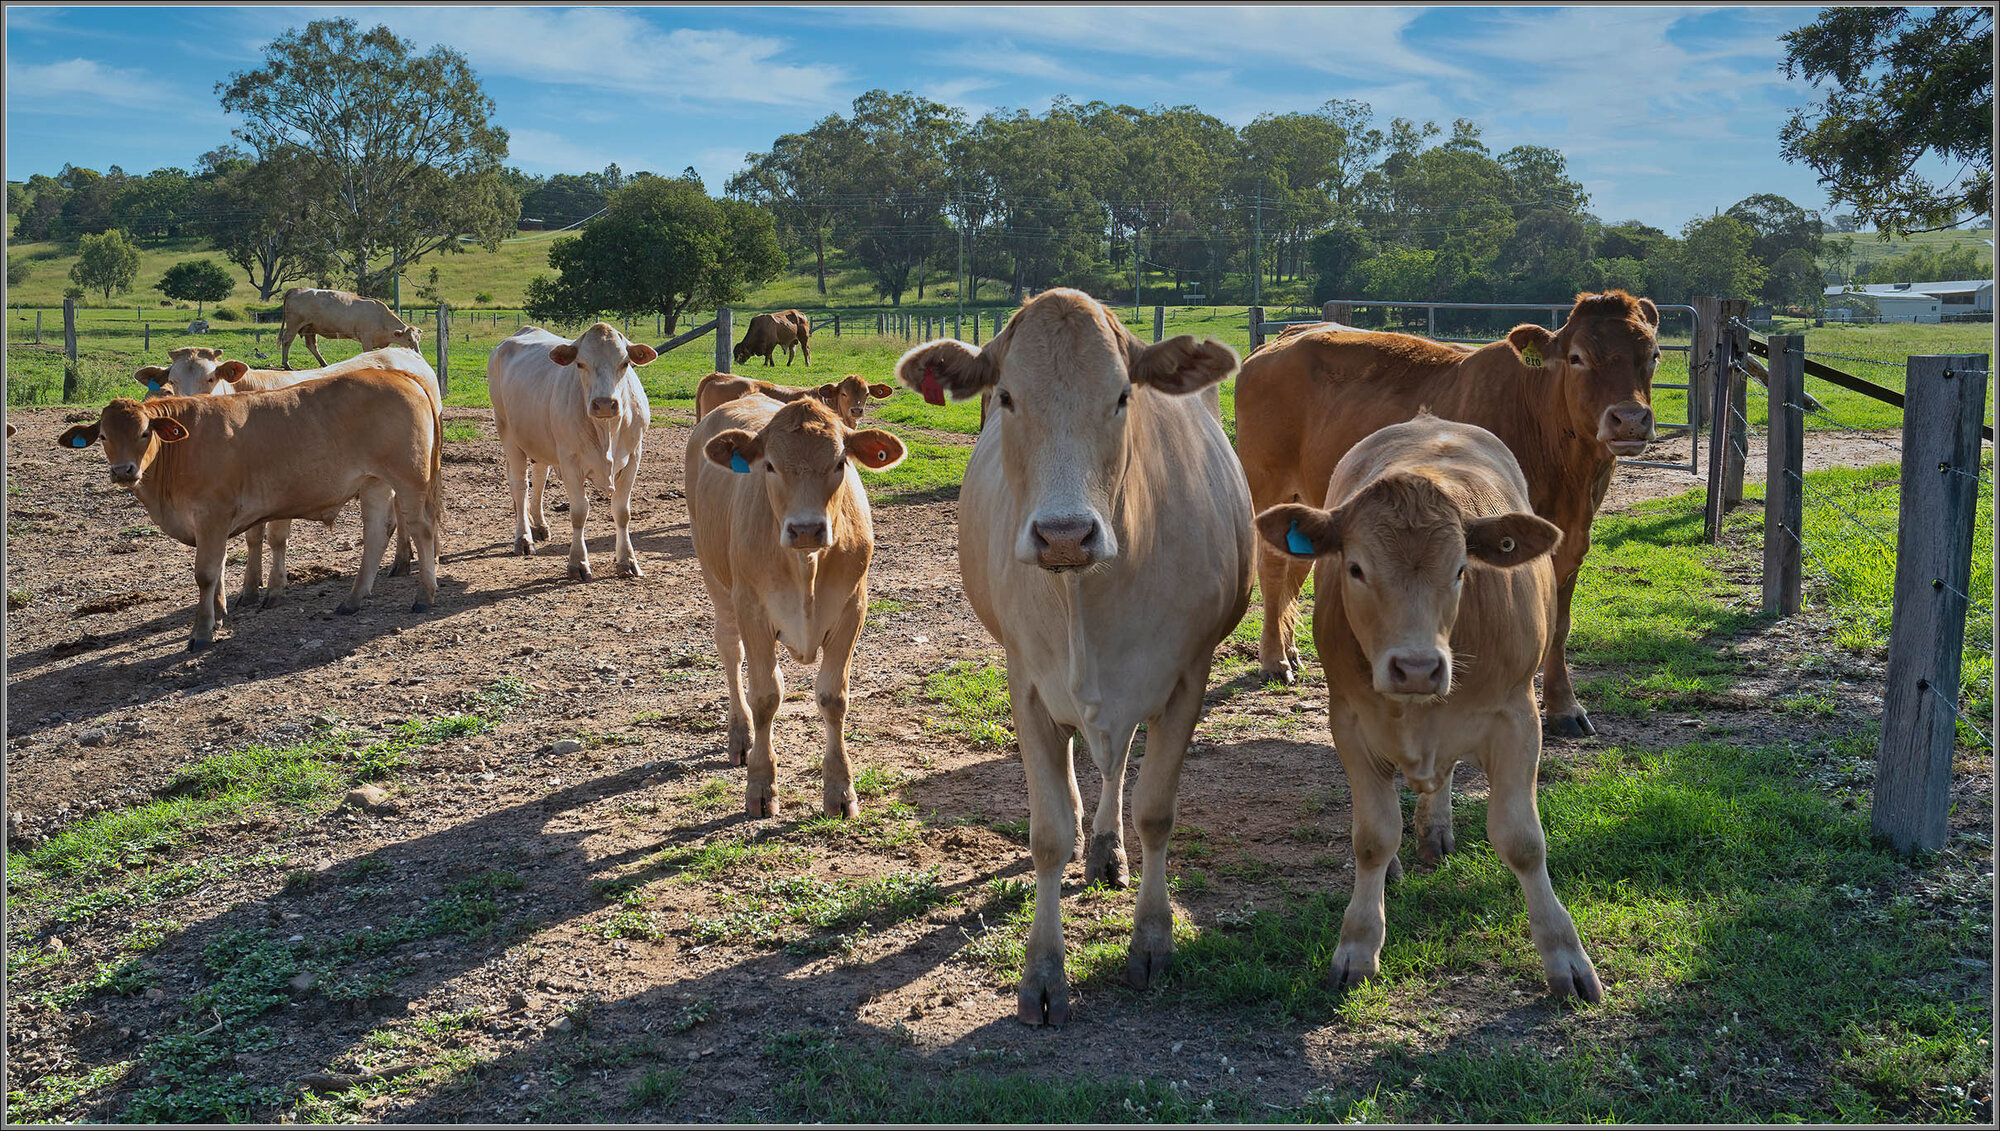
[1851, 516]
[1960, 715]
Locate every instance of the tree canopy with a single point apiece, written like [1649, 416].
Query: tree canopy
[196, 280]
[107, 261]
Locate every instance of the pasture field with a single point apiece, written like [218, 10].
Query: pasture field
[559, 913]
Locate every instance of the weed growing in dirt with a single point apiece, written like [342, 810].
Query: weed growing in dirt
[462, 431]
[656, 1087]
[774, 910]
[975, 697]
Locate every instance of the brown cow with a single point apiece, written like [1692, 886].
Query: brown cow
[208, 468]
[1435, 602]
[766, 332]
[1566, 403]
[782, 531]
[314, 313]
[846, 398]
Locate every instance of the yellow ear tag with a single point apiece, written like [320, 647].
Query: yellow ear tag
[1532, 356]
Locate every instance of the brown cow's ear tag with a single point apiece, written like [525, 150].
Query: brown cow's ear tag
[1532, 357]
[169, 430]
[929, 386]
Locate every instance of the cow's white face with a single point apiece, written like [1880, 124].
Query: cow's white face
[800, 458]
[1066, 378]
[601, 358]
[407, 337]
[193, 371]
[1398, 551]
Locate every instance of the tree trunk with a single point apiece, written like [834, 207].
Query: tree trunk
[819, 255]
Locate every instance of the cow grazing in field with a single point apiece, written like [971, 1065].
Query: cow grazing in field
[846, 397]
[782, 530]
[1435, 603]
[313, 313]
[766, 332]
[208, 468]
[200, 370]
[1105, 541]
[1567, 403]
[576, 405]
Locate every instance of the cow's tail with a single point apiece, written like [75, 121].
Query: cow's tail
[434, 497]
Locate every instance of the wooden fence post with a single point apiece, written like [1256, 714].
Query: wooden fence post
[1725, 384]
[1256, 326]
[1159, 323]
[69, 350]
[997, 316]
[1941, 420]
[836, 324]
[38, 327]
[725, 339]
[955, 331]
[146, 346]
[1736, 452]
[975, 327]
[1784, 471]
[1701, 389]
[1341, 312]
[444, 347]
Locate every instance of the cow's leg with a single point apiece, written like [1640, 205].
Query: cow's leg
[279, 531]
[579, 509]
[376, 501]
[805, 348]
[729, 652]
[519, 477]
[1514, 826]
[621, 512]
[767, 690]
[1435, 839]
[538, 483]
[1561, 713]
[285, 336]
[312, 343]
[1105, 858]
[1279, 578]
[1378, 832]
[830, 685]
[1153, 798]
[1052, 839]
[210, 550]
[413, 523]
[253, 568]
[401, 565]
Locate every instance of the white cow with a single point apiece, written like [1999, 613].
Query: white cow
[578, 406]
[1104, 539]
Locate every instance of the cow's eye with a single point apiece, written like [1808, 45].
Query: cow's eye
[1461, 573]
[1576, 359]
[768, 467]
[1354, 571]
[1124, 398]
[1006, 401]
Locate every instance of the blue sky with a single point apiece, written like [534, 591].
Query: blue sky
[1665, 112]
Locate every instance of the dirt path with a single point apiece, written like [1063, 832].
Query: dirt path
[104, 705]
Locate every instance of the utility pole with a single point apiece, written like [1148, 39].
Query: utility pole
[1135, 272]
[961, 256]
[1257, 248]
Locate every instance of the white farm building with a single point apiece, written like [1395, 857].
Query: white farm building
[1914, 302]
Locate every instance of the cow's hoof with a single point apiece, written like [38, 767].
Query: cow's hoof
[420, 607]
[1395, 872]
[1435, 845]
[344, 610]
[1106, 862]
[247, 598]
[271, 602]
[843, 805]
[1351, 967]
[400, 569]
[200, 645]
[1147, 963]
[540, 533]
[630, 568]
[1283, 673]
[1569, 726]
[579, 571]
[760, 799]
[1573, 975]
[1044, 998]
[524, 548]
[739, 743]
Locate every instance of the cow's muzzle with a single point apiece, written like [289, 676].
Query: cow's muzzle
[1066, 543]
[1627, 428]
[125, 474]
[1414, 673]
[805, 534]
[604, 408]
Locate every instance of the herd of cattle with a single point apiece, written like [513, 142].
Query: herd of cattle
[1108, 533]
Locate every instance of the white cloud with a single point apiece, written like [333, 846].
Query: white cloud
[84, 86]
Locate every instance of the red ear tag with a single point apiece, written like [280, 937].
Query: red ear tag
[929, 387]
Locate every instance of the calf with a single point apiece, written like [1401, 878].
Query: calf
[846, 398]
[208, 468]
[577, 405]
[1436, 600]
[782, 531]
[314, 313]
[1104, 540]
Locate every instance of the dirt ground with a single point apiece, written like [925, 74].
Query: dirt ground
[104, 704]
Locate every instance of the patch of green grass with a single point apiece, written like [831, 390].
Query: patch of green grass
[48, 1096]
[656, 1088]
[775, 909]
[462, 431]
[880, 609]
[974, 695]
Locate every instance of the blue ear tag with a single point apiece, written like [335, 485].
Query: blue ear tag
[1297, 543]
[79, 442]
[151, 387]
[737, 464]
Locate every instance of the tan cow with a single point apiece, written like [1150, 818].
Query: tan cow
[1104, 540]
[1435, 602]
[208, 468]
[766, 332]
[1566, 403]
[782, 530]
[313, 313]
[847, 397]
[199, 370]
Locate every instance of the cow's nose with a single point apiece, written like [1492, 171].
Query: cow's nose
[1065, 543]
[124, 472]
[1631, 422]
[604, 406]
[809, 534]
[1416, 672]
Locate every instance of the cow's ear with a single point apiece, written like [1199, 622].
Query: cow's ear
[1508, 540]
[828, 393]
[640, 354]
[1531, 342]
[1299, 531]
[1183, 365]
[735, 450]
[231, 370]
[212, 353]
[152, 376]
[168, 429]
[564, 354]
[1649, 312]
[78, 436]
[881, 392]
[948, 368]
[875, 449]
